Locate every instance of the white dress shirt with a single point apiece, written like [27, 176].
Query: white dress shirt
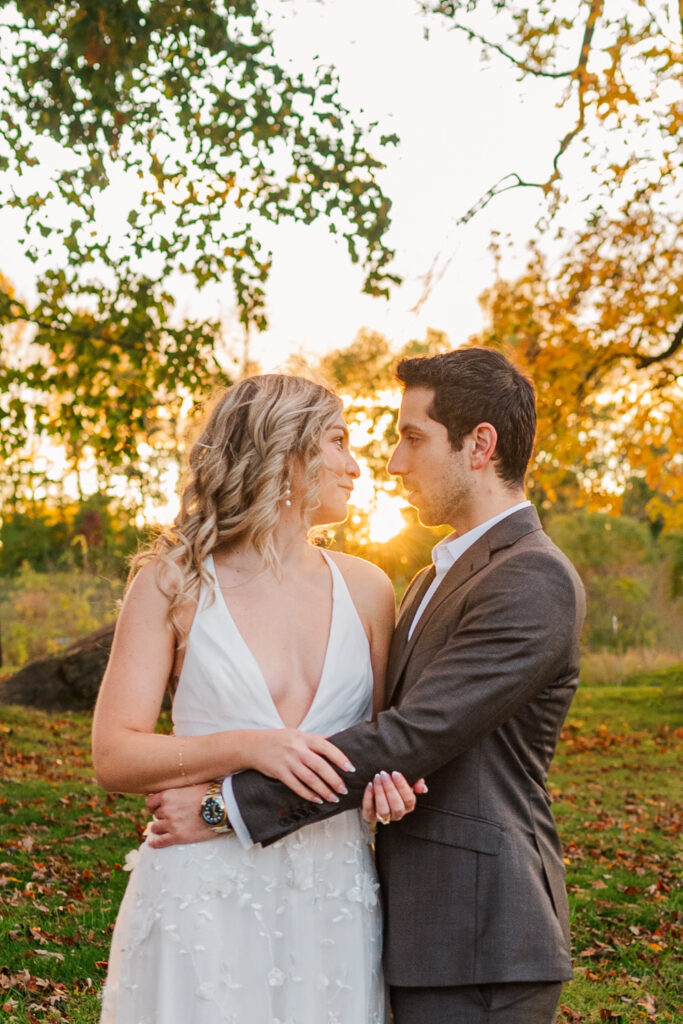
[444, 554]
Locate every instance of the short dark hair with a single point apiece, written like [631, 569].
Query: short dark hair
[479, 385]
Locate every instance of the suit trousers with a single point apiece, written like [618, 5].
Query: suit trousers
[526, 1002]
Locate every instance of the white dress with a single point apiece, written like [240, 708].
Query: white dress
[211, 933]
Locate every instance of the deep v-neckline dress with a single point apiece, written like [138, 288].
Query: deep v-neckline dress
[211, 933]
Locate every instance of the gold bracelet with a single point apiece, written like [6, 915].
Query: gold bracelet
[181, 766]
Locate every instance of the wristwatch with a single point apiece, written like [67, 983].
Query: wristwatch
[213, 810]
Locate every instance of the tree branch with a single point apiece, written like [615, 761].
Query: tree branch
[436, 272]
[62, 328]
[522, 65]
[513, 180]
[641, 360]
[647, 360]
[65, 329]
[580, 74]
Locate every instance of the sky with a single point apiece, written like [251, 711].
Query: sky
[462, 126]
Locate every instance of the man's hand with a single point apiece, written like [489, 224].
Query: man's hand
[177, 817]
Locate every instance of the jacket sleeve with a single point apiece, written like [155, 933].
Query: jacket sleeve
[514, 638]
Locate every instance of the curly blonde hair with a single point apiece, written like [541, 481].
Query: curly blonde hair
[238, 474]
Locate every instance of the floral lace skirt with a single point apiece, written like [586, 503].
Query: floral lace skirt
[211, 933]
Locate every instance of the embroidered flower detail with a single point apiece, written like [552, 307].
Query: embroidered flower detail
[276, 977]
[301, 874]
[364, 891]
[131, 860]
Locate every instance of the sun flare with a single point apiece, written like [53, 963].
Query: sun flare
[386, 519]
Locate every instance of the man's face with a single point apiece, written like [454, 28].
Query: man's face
[436, 477]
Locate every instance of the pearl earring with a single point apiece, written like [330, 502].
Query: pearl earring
[288, 493]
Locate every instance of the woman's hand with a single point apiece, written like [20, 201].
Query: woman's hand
[389, 797]
[300, 760]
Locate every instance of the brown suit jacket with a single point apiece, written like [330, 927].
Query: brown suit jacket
[473, 880]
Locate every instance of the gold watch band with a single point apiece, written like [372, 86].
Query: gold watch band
[214, 793]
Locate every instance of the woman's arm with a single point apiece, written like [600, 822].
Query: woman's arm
[129, 756]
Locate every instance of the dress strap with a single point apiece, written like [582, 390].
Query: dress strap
[341, 591]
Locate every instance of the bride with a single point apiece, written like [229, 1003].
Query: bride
[271, 644]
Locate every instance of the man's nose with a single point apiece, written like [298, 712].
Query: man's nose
[395, 465]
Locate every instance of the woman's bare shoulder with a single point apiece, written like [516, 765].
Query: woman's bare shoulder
[148, 580]
[154, 585]
[361, 574]
[144, 599]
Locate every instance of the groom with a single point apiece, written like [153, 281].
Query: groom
[482, 671]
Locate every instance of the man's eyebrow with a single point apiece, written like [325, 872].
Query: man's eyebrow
[403, 428]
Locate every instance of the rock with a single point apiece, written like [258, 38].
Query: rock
[63, 682]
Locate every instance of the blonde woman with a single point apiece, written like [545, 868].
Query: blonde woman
[281, 644]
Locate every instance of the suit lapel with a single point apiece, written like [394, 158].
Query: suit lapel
[503, 534]
[466, 566]
[409, 605]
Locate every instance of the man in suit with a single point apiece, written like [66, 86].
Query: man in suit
[482, 670]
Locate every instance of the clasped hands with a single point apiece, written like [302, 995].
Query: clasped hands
[302, 761]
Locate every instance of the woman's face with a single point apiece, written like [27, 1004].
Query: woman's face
[338, 471]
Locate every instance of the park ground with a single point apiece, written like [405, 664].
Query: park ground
[615, 785]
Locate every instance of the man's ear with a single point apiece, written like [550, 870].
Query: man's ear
[482, 444]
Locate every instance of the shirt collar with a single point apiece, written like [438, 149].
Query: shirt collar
[448, 550]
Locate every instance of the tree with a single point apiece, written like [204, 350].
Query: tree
[608, 412]
[628, 578]
[187, 104]
[598, 315]
[107, 384]
[617, 69]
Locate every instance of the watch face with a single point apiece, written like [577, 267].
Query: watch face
[212, 811]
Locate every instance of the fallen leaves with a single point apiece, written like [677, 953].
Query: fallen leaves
[622, 831]
[49, 992]
[59, 890]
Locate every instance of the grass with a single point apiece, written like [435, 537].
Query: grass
[42, 613]
[615, 788]
[604, 667]
[61, 876]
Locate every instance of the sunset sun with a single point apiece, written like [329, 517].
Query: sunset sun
[386, 520]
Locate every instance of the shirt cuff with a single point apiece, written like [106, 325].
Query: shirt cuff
[234, 816]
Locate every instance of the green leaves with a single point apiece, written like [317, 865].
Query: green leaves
[111, 373]
[187, 105]
[190, 97]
